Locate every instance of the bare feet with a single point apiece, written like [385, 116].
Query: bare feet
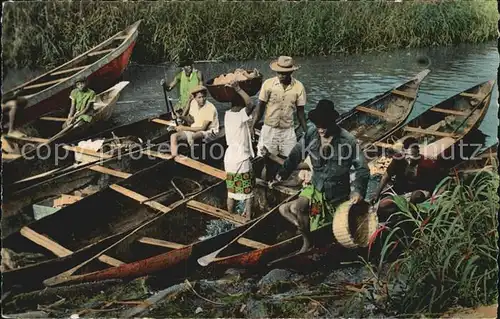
[306, 245]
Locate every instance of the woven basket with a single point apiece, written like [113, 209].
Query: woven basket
[354, 224]
[223, 93]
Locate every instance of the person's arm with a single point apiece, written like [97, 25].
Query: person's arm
[73, 105]
[195, 129]
[361, 173]
[383, 182]
[293, 160]
[301, 102]
[261, 106]
[172, 84]
[185, 111]
[246, 98]
[90, 104]
[200, 76]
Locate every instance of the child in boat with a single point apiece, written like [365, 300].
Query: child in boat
[202, 121]
[82, 101]
[237, 160]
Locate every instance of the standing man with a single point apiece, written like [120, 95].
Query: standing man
[188, 78]
[280, 98]
[12, 108]
[332, 151]
[82, 101]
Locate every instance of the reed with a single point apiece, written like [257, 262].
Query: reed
[48, 33]
[446, 250]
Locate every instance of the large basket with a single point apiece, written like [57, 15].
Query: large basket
[353, 224]
[223, 93]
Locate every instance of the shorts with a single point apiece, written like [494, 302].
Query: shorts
[278, 141]
[208, 136]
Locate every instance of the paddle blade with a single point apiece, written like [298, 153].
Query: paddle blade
[208, 259]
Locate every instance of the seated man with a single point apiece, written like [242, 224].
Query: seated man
[414, 176]
[82, 101]
[202, 118]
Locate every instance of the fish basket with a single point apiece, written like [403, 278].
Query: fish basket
[353, 224]
[223, 93]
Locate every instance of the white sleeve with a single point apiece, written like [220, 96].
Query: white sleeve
[243, 115]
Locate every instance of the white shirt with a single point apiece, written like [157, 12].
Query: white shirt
[206, 113]
[239, 146]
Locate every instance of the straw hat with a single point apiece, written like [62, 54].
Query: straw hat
[284, 64]
[353, 224]
[198, 88]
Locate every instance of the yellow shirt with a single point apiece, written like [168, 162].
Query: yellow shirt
[206, 113]
[281, 102]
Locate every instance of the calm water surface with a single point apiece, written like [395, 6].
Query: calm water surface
[347, 80]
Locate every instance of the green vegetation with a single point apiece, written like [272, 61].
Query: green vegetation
[447, 250]
[49, 33]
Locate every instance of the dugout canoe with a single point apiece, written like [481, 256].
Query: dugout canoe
[93, 223]
[380, 116]
[49, 129]
[50, 160]
[102, 65]
[447, 132]
[487, 158]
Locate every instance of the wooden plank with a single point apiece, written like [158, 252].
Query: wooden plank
[101, 52]
[159, 242]
[216, 212]
[445, 111]
[472, 95]
[51, 118]
[201, 167]
[10, 156]
[86, 151]
[78, 68]
[66, 200]
[112, 172]
[57, 249]
[29, 139]
[371, 111]
[164, 122]
[404, 94]
[34, 86]
[121, 37]
[430, 132]
[251, 243]
[157, 154]
[140, 198]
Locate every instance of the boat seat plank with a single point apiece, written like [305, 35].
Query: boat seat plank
[403, 93]
[101, 52]
[251, 243]
[446, 111]
[157, 154]
[201, 167]
[29, 139]
[472, 95]
[10, 156]
[140, 198]
[85, 151]
[159, 242]
[371, 111]
[164, 122]
[431, 132]
[52, 118]
[57, 249]
[216, 212]
[112, 172]
[34, 86]
[78, 68]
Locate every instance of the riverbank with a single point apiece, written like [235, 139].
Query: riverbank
[50, 33]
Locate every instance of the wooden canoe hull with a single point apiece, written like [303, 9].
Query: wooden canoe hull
[101, 75]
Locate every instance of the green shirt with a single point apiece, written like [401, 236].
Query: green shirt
[81, 99]
[186, 83]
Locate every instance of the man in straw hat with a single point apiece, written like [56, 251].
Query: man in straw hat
[202, 118]
[187, 78]
[332, 151]
[280, 97]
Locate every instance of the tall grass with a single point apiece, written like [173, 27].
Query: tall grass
[48, 33]
[447, 250]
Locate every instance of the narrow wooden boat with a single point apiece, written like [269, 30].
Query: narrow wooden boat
[447, 132]
[376, 118]
[94, 222]
[484, 159]
[102, 65]
[50, 160]
[49, 129]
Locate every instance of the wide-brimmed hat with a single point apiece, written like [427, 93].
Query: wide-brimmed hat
[324, 114]
[284, 64]
[198, 88]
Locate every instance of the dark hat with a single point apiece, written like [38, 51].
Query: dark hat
[185, 62]
[324, 115]
[81, 79]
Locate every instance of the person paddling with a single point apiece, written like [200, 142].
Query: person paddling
[187, 79]
[333, 151]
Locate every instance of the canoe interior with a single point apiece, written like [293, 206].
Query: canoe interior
[45, 158]
[394, 109]
[186, 226]
[109, 212]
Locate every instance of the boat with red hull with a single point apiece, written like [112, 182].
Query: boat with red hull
[102, 65]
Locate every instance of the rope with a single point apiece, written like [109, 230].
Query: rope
[188, 194]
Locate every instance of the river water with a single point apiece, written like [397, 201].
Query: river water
[346, 79]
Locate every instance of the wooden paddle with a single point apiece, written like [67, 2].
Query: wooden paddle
[210, 258]
[61, 133]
